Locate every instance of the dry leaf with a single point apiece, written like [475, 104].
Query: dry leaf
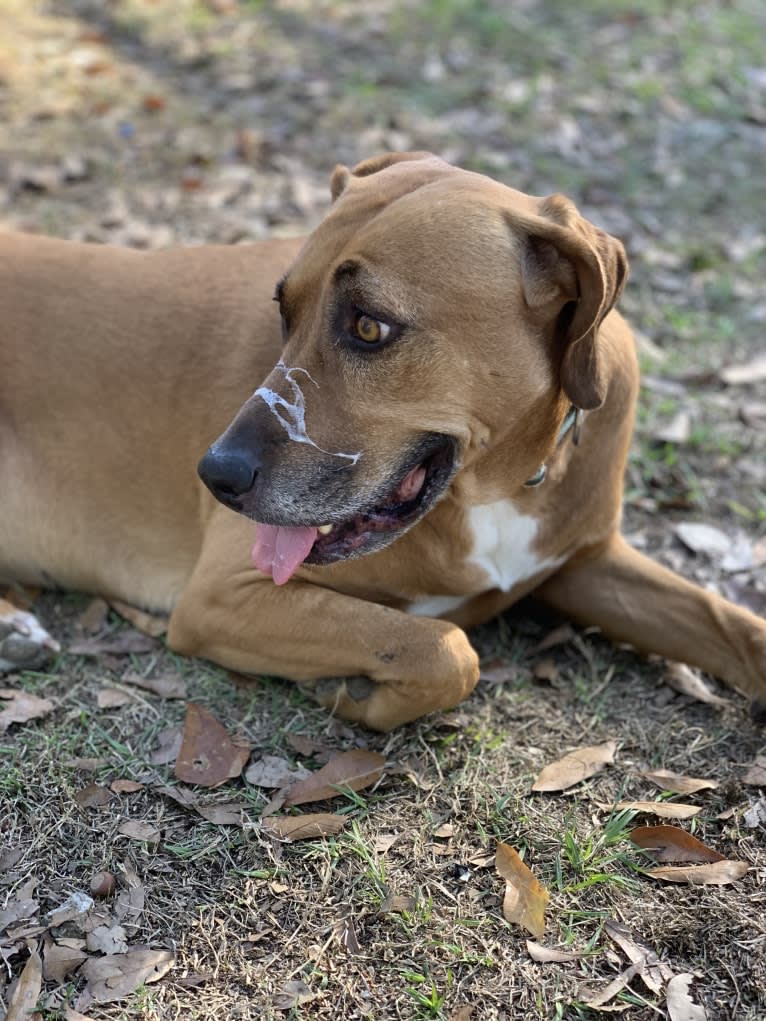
[148, 623]
[654, 972]
[546, 670]
[292, 994]
[70, 1014]
[86, 764]
[16, 911]
[20, 707]
[113, 698]
[224, 813]
[680, 1005]
[310, 747]
[749, 372]
[574, 767]
[129, 903]
[525, 899]
[167, 685]
[462, 1014]
[21, 1006]
[598, 1001]
[445, 831]
[93, 796]
[383, 842]
[394, 903]
[662, 809]
[169, 745]
[671, 843]
[123, 643]
[356, 769]
[717, 873]
[677, 430]
[499, 671]
[755, 815]
[702, 538]
[756, 772]
[272, 771]
[682, 678]
[76, 906]
[208, 756]
[138, 830]
[126, 786]
[118, 975]
[547, 955]
[303, 827]
[678, 783]
[558, 636]
[93, 617]
[9, 856]
[107, 939]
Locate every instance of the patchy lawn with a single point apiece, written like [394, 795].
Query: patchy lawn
[148, 122]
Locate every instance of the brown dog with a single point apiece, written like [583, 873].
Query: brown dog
[413, 458]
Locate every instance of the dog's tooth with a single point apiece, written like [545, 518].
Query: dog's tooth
[324, 529]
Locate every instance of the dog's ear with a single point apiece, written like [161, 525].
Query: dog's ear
[574, 271]
[341, 175]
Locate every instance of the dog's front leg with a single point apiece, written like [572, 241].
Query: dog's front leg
[635, 600]
[232, 615]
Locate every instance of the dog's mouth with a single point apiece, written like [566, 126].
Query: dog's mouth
[280, 550]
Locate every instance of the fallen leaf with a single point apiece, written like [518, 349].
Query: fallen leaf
[680, 1005]
[560, 635]
[303, 827]
[93, 617]
[169, 745]
[755, 815]
[16, 911]
[167, 685]
[21, 707]
[126, 786]
[208, 756]
[123, 643]
[718, 873]
[9, 856]
[310, 747]
[224, 813]
[662, 809]
[272, 771]
[21, 1006]
[93, 796]
[702, 538]
[129, 903]
[355, 769]
[677, 430]
[677, 783]
[671, 843]
[525, 898]
[152, 624]
[345, 930]
[499, 671]
[654, 972]
[746, 373]
[118, 975]
[86, 764]
[682, 678]
[547, 955]
[113, 698]
[76, 906]
[107, 939]
[462, 1014]
[546, 670]
[756, 772]
[445, 831]
[598, 1001]
[395, 903]
[70, 1014]
[292, 994]
[59, 961]
[138, 830]
[383, 842]
[753, 413]
[574, 767]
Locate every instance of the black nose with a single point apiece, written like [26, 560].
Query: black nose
[228, 474]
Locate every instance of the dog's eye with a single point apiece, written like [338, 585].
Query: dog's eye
[371, 331]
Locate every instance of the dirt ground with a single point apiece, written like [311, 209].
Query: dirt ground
[151, 122]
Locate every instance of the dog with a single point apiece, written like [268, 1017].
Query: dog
[429, 422]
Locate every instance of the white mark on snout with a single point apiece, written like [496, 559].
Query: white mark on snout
[291, 415]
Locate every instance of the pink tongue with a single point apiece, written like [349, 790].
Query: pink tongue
[280, 551]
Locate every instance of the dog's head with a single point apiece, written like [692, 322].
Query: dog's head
[434, 316]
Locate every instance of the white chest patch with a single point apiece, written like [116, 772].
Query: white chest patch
[502, 548]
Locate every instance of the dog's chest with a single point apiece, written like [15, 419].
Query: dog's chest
[502, 549]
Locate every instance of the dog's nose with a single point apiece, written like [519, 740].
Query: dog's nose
[228, 474]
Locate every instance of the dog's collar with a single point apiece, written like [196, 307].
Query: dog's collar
[572, 423]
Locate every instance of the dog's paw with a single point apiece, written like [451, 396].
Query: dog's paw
[24, 642]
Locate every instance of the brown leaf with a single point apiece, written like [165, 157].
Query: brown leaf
[303, 827]
[677, 783]
[717, 873]
[574, 767]
[662, 809]
[356, 769]
[129, 903]
[167, 685]
[70, 1014]
[113, 698]
[671, 843]
[169, 745]
[499, 671]
[755, 815]
[598, 1001]
[272, 771]
[118, 975]
[395, 903]
[93, 796]
[680, 1005]
[107, 939]
[21, 1006]
[126, 786]
[20, 707]
[136, 829]
[749, 372]
[224, 813]
[16, 911]
[123, 643]
[547, 955]
[75, 907]
[756, 772]
[560, 635]
[93, 617]
[208, 756]
[682, 678]
[152, 624]
[546, 670]
[525, 898]
[654, 972]
[309, 747]
[9, 856]
[445, 831]
[86, 765]
[60, 961]
[292, 994]
[462, 1014]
